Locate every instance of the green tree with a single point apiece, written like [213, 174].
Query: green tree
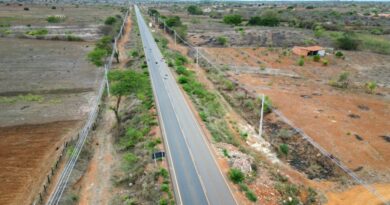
[123, 83]
[233, 19]
[96, 56]
[110, 20]
[173, 21]
[153, 12]
[254, 21]
[194, 10]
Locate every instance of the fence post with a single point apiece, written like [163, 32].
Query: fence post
[197, 56]
[261, 117]
[106, 77]
[174, 34]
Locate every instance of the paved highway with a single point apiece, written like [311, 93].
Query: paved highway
[196, 177]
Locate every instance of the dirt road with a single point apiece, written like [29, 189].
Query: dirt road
[96, 186]
[123, 56]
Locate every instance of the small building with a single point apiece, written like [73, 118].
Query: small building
[309, 51]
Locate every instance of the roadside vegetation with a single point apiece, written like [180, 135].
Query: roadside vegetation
[136, 139]
[103, 47]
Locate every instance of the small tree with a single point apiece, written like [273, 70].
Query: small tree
[233, 19]
[325, 62]
[173, 21]
[124, 83]
[236, 175]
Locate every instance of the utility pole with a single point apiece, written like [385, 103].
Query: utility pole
[261, 117]
[197, 56]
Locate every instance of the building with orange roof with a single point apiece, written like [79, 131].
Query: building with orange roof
[308, 51]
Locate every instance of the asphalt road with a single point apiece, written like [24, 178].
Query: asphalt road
[197, 178]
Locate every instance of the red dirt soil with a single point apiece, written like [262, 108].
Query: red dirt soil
[23, 148]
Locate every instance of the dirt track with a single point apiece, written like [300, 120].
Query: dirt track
[123, 51]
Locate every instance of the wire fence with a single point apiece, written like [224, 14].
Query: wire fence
[79, 140]
[200, 58]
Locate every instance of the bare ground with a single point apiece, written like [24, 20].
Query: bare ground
[23, 149]
[96, 185]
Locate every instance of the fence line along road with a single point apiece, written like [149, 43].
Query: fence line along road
[83, 134]
[341, 165]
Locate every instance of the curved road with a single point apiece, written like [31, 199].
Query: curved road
[197, 178]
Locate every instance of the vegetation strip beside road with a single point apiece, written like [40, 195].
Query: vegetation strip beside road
[213, 114]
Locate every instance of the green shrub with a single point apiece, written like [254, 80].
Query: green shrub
[233, 19]
[180, 60]
[339, 54]
[163, 202]
[222, 40]
[325, 62]
[267, 18]
[203, 116]
[96, 56]
[301, 61]
[134, 54]
[342, 80]
[371, 86]
[319, 31]
[236, 175]
[54, 19]
[181, 70]
[130, 158]
[348, 41]
[251, 196]
[110, 20]
[183, 80]
[165, 188]
[164, 173]
[226, 153]
[228, 85]
[316, 58]
[73, 38]
[283, 148]
[243, 187]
